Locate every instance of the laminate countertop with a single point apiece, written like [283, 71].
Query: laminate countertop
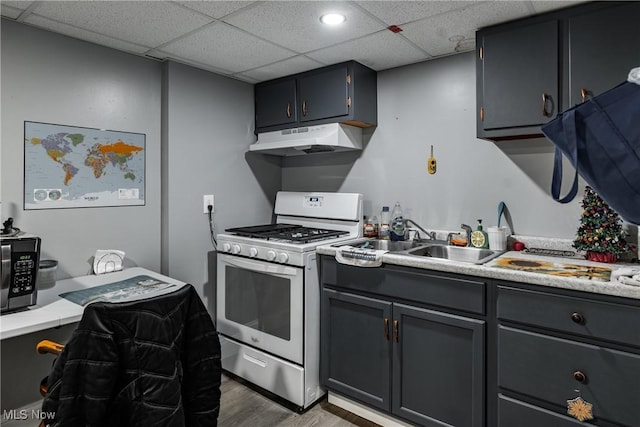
[567, 273]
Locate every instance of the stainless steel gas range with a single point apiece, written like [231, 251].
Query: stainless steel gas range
[268, 293]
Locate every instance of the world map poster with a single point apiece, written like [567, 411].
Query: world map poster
[77, 167]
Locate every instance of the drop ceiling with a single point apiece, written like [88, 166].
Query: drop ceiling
[255, 41]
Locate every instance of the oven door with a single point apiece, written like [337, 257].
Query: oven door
[261, 304]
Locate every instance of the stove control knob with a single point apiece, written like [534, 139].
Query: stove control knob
[226, 247]
[283, 257]
[235, 249]
[271, 255]
[253, 252]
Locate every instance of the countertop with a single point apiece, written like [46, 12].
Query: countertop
[492, 271]
[52, 311]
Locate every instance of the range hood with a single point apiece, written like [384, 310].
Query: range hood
[332, 137]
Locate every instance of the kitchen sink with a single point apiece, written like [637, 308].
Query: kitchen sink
[455, 253]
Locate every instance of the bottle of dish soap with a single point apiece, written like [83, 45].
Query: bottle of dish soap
[385, 219]
[397, 223]
[479, 238]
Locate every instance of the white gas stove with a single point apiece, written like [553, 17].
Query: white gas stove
[268, 293]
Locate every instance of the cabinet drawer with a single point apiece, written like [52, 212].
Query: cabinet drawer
[512, 412]
[546, 368]
[602, 320]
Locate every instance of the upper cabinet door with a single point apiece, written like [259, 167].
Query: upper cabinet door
[519, 76]
[324, 94]
[604, 47]
[275, 103]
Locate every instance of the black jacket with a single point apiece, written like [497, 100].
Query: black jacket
[153, 362]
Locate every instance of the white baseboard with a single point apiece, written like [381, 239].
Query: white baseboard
[365, 412]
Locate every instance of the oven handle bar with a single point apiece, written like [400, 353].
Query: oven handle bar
[261, 267]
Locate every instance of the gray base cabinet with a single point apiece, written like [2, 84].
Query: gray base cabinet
[555, 347]
[404, 356]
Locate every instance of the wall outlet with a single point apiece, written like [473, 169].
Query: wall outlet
[207, 200]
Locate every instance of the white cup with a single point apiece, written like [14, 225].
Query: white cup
[498, 238]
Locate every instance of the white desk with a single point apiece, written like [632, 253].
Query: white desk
[53, 311]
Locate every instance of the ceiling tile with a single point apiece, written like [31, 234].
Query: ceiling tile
[297, 64]
[402, 12]
[378, 51]
[147, 23]
[296, 24]
[545, 6]
[440, 35]
[81, 34]
[9, 12]
[216, 9]
[223, 46]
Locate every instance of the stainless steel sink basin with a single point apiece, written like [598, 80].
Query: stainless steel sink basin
[455, 253]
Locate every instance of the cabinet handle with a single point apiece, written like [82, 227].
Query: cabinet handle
[577, 318]
[395, 331]
[386, 328]
[288, 110]
[545, 100]
[482, 114]
[584, 93]
[304, 108]
[580, 377]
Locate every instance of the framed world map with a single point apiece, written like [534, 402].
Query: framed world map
[78, 167]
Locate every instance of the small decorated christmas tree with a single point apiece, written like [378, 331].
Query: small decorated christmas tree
[600, 233]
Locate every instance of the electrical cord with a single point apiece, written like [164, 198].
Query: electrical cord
[214, 242]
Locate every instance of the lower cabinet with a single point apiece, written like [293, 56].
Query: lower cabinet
[553, 348]
[417, 363]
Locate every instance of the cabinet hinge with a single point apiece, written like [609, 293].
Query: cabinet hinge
[481, 53]
[348, 79]
[349, 102]
[482, 114]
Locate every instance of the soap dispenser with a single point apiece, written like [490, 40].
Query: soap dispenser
[479, 237]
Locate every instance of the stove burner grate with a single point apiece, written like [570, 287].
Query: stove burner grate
[286, 232]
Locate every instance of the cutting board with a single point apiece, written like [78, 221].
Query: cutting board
[554, 268]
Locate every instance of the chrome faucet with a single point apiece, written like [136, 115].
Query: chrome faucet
[430, 234]
[466, 228]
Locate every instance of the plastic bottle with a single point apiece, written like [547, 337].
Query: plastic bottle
[397, 223]
[385, 220]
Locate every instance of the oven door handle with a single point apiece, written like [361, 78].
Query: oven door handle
[261, 267]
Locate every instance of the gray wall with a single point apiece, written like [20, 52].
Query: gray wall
[433, 103]
[209, 126]
[55, 79]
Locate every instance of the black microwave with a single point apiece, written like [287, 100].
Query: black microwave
[20, 260]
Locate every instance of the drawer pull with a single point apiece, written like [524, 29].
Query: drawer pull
[577, 318]
[580, 377]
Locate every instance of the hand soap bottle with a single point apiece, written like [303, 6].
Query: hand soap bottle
[479, 238]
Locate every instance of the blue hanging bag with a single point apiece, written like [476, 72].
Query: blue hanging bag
[601, 139]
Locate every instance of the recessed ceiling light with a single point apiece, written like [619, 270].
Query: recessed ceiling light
[333, 19]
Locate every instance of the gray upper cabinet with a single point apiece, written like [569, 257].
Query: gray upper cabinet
[519, 78]
[344, 92]
[527, 71]
[324, 94]
[600, 58]
[275, 103]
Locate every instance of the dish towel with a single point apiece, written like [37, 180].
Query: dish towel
[358, 257]
[627, 275]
